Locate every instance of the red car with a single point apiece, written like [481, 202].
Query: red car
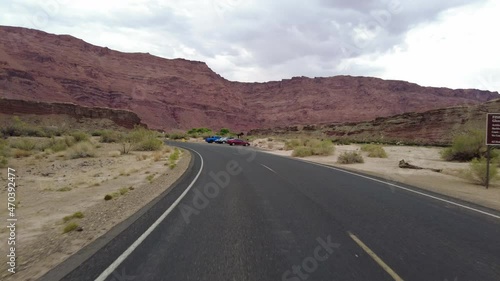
[237, 142]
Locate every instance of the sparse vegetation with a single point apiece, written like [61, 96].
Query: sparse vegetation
[124, 191]
[374, 150]
[70, 227]
[310, 147]
[194, 133]
[80, 136]
[477, 171]
[467, 146]
[5, 153]
[81, 150]
[76, 215]
[23, 144]
[302, 151]
[108, 136]
[64, 189]
[150, 178]
[108, 197]
[350, 157]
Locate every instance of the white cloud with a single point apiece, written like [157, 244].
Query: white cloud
[460, 50]
[432, 43]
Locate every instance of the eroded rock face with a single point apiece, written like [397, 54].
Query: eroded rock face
[433, 127]
[122, 118]
[177, 93]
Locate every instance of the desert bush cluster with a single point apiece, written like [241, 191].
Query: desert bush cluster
[309, 147]
[350, 157]
[374, 150]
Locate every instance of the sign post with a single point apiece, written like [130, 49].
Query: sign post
[492, 138]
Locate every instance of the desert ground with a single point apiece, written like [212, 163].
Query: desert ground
[51, 187]
[450, 181]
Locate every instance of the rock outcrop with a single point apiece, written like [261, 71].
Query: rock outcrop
[433, 127]
[177, 93]
[122, 118]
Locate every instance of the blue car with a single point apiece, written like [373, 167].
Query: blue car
[212, 139]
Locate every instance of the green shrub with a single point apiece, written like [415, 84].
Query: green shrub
[172, 166]
[302, 151]
[123, 191]
[76, 215]
[178, 136]
[466, 146]
[304, 148]
[224, 131]
[293, 143]
[23, 144]
[324, 148]
[374, 150]
[81, 150]
[4, 162]
[70, 227]
[5, 153]
[80, 136]
[350, 157]
[57, 145]
[175, 155]
[108, 136]
[108, 197]
[150, 143]
[477, 171]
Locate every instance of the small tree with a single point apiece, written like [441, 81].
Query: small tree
[224, 131]
[477, 171]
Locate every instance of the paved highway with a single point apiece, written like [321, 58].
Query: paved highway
[241, 214]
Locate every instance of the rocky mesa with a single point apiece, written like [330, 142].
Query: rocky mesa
[179, 94]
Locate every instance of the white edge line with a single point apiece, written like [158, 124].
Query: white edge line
[404, 188]
[268, 168]
[139, 240]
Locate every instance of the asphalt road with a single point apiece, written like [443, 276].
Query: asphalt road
[254, 216]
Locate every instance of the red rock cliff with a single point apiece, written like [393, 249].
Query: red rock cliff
[177, 93]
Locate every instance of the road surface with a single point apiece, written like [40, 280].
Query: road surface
[241, 214]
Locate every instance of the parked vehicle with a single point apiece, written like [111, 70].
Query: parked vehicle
[223, 140]
[211, 139]
[237, 142]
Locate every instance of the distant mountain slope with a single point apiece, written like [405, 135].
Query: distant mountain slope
[177, 93]
[433, 127]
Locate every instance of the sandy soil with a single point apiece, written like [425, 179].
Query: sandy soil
[449, 182]
[51, 187]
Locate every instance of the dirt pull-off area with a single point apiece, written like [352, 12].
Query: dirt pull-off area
[54, 193]
[450, 181]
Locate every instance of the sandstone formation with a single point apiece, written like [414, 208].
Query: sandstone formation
[181, 94]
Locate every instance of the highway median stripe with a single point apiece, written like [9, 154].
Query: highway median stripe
[376, 258]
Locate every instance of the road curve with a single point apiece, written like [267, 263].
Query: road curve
[250, 215]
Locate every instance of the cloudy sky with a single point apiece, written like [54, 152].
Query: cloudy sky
[449, 43]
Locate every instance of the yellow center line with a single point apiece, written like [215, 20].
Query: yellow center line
[376, 258]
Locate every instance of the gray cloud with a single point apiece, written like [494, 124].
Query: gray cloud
[282, 37]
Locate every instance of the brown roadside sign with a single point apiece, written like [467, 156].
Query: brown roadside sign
[493, 129]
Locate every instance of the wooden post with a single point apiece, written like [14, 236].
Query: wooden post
[488, 166]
